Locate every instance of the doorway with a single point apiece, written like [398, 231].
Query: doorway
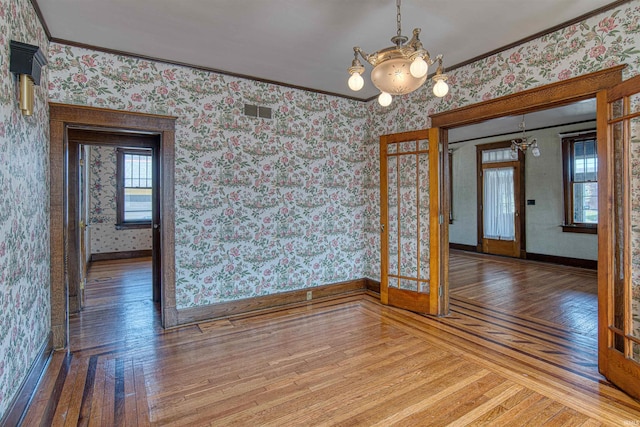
[500, 200]
[64, 224]
[606, 84]
[118, 208]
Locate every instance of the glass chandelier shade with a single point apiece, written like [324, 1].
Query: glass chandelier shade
[394, 77]
[399, 69]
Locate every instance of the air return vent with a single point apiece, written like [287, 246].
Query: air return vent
[257, 111]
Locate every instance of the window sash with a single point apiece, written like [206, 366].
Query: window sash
[135, 187]
[580, 158]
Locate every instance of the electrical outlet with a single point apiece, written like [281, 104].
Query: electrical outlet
[309, 295]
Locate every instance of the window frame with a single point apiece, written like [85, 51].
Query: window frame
[121, 224]
[568, 162]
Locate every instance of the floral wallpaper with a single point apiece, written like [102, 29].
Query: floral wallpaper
[262, 206]
[24, 209]
[102, 207]
[605, 40]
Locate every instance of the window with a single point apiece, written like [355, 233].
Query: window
[134, 183]
[580, 159]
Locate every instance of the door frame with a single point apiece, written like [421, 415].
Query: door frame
[62, 117]
[78, 137]
[519, 184]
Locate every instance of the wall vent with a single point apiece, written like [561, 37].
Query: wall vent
[257, 111]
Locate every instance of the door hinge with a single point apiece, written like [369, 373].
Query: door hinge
[441, 219]
[440, 291]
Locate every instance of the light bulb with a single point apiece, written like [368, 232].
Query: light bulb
[441, 88]
[356, 82]
[535, 151]
[419, 67]
[384, 99]
[514, 153]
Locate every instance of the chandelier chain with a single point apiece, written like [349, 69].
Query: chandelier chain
[398, 18]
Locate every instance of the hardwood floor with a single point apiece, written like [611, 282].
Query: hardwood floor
[341, 361]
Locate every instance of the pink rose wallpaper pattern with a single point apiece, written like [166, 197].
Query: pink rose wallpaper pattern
[24, 209]
[262, 206]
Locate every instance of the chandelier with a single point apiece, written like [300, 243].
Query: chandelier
[524, 143]
[399, 69]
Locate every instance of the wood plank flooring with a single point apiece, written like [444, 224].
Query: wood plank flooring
[345, 361]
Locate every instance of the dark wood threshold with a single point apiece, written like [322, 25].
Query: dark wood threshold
[18, 407]
[258, 304]
[120, 255]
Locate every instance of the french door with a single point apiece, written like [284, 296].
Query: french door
[412, 203]
[619, 235]
[500, 204]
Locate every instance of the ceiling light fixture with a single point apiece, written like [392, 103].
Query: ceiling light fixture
[398, 69]
[524, 143]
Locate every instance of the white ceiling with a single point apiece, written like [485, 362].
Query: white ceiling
[305, 43]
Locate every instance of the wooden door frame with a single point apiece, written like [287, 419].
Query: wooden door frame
[62, 117]
[540, 98]
[78, 137]
[521, 188]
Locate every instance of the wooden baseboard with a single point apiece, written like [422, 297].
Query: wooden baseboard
[225, 309]
[572, 262]
[461, 247]
[17, 408]
[120, 255]
[372, 285]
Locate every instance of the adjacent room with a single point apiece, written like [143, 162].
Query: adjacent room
[234, 214]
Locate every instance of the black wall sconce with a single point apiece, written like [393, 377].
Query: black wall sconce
[26, 61]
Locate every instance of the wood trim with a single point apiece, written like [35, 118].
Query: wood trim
[462, 247]
[86, 117]
[257, 304]
[125, 139]
[579, 229]
[120, 188]
[372, 285]
[64, 117]
[567, 173]
[573, 262]
[384, 222]
[18, 406]
[539, 98]
[105, 256]
[605, 227]
[436, 295]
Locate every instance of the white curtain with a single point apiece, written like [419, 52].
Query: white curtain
[499, 204]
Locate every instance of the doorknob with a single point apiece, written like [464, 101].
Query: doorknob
[156, 226]
[382, 228]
